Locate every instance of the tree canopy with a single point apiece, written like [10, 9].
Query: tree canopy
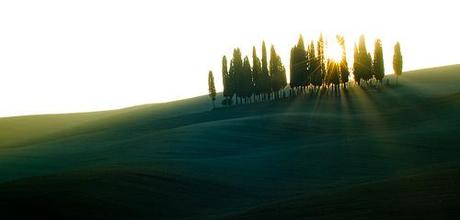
[379, 68]
[397, 60]
[344, 71]
[299, 65]
[310, 69]
[212, 87]
[277, 72]
[256, 73]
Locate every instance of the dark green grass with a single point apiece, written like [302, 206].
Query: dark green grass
[432, 194]
[180, 160]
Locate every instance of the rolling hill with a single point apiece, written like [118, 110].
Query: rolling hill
[386, 153]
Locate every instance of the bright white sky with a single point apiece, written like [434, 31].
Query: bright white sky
[86, 55]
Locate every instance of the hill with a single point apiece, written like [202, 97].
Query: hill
[357, 155]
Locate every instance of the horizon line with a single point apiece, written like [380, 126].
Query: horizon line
[166, 102]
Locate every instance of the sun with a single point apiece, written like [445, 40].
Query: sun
[333, 51]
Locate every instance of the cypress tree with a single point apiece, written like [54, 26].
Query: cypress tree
[369, 67]
[302, 62]
[379, 69]
[266, 89]
[310, 57]
[237, 82]
[356, 66]
[397, 61]
[292, 76]
[329, 72]
[277, 73]
[273, 70]
[332, 73]
[343, 67]
[256, 73]
[321, 58]
[227, 93]
[335, 74]
[364, 60]
[315, 67]
[282, 72]
[212, 88]
[231, 80]
[299, 65]
[247, 83]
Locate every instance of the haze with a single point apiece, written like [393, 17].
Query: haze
[72, 56]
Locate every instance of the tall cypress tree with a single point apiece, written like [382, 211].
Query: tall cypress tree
[302, 64]
[363, 68]
[310, 57]
[247, 83]
[343, 67]
[397, 61]
[273, 69]
[321, 57]
[332, 73]
[282, 75]
[277, 73]
[231, 80]
[356, 66]
[237, 69]
[292, 76]
[335, 74]
[256, 73]
[364, 60]
[227, 93]
[315, 67]
[379, 69]
[266, 88]
[212, 88]
[369, 67]
[299, 65]
[329, 72]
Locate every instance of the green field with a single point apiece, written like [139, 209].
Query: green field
[391, 153]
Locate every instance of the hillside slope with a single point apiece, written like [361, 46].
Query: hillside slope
[181, 160]
[23, 130]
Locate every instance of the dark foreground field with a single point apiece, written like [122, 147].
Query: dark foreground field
[366, 154]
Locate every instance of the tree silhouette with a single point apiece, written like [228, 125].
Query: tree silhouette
[277, 73]
[236, 69]
[232, 80]
[266, 88]
[321, 58]
[246, 80]
[344, 71]
[309, 69]
[292, 74]
[298, 65]
[226, 81]
[329, 72]
[369, 68]
[256, 73]
[378, 67]
[363, 62]
[397, 61]
[356, 66]
[365, 59]
[212, 88]
[314, 67]
[333, 74]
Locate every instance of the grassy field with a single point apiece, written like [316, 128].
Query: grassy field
[366, 154]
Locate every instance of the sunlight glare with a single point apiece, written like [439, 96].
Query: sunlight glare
[333, 50]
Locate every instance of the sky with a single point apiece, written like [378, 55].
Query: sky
[88, 55]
